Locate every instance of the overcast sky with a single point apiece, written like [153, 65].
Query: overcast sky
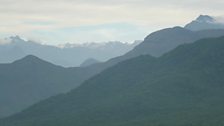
[79, 21]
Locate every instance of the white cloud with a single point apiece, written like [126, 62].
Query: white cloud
[25, 16]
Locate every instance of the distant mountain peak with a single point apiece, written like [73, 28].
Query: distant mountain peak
[16, 39]
[177, 27]
[89, 62]
[205, 18]
[30, 59]
[204, 22]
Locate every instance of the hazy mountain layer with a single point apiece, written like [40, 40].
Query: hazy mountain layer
[182, 88]
[171, 36]
[67, 56]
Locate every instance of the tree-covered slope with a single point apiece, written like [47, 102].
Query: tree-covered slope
[182, 88]
[29, 80]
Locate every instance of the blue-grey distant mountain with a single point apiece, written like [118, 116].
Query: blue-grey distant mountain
[70, 55]
[162, 41]
[89, 62]
[205, 22]
[182, 88]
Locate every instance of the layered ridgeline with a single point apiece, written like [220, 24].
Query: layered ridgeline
[29, 80]
[182, 88]
[155, 44]
[205, 22]
[162, 41]
[69, 55]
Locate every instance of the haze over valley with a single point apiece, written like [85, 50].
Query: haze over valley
[111, 63]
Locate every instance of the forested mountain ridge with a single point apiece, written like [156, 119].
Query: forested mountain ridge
[30, 79]
[183, 87]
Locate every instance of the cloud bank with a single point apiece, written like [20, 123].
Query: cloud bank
[57, 21]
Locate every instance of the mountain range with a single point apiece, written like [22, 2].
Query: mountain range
[68, 55]
[32, 84]
[181, 88]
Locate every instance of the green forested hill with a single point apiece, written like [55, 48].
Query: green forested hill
[30, 80]
[182, 88]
